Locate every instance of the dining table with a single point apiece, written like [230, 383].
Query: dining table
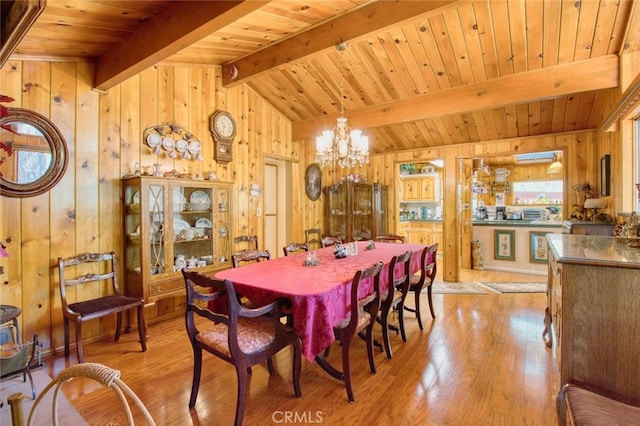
[320, 294]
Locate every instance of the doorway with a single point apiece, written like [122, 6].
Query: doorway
[277, 205]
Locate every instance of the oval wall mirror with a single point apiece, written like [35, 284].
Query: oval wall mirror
[39, 154]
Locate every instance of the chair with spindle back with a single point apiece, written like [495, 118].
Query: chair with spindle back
[426, 277]
[295, 247]
[251, 242]
[330, 241]
[390, 238]
[240, 336]
[393, 298]
[104, 271]
[313, 237]
[364, 305]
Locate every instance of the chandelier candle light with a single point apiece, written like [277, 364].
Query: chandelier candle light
[342, 145]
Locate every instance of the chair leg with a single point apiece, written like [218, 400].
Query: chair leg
[79, 341]
[66, 337]
[118, 325]
[369, 339]
[385, 333]
[433, 314]
[400, 311]
[272, 370]
[197, 369]
[417, 309]
[346, 366]
[297, 367]
[142, 332]
[242, 394]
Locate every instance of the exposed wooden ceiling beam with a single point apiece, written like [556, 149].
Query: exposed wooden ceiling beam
[540, 84]
[364, 21]
[175, 28]
[20, 17]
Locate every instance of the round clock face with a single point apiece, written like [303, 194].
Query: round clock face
[224, 125]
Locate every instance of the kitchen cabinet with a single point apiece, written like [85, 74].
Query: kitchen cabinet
[421, 232]
[420, 188]
[593, 301]
[170, 224]
[355, 211]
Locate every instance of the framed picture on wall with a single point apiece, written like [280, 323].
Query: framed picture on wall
[313, 181]
[605, 175]
[538, 249]
[504, 245]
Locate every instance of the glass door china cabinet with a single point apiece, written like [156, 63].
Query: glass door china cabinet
[171, 224]
[355, 211]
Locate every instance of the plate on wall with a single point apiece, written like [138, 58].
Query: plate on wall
[168, 143]
[194, 147]
[181, 145]
[154, 140]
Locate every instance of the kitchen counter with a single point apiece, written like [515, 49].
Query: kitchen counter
[518, 223]
[523, 239]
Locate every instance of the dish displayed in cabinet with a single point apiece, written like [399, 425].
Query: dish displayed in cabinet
[203, 222]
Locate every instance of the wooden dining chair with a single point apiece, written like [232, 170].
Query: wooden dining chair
[364, 303]
[330, 241]
[579, 403]
[428, 269]
[250, 242]
[295, 247]
[240, 336]
[313, 237]
[392, 298]
[390, 238]
[99, 270]
[249, 256]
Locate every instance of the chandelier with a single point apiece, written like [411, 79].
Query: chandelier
[342, 145]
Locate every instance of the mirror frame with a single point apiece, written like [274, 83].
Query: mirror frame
[59, 155]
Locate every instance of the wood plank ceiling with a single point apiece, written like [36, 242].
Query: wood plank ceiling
[416, 73]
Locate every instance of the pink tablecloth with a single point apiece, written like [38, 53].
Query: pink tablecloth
[319, 294]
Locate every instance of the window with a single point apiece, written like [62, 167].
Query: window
[538, 192]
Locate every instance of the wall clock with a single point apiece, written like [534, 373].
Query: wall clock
[223, 129]
[313, 181]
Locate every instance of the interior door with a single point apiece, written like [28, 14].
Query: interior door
[277, 205]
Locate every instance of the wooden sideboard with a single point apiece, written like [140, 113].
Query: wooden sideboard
[594, 306]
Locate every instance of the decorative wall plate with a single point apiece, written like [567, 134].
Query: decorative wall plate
[154, 140]
[168, 143]
[181, 145]
[194, 147]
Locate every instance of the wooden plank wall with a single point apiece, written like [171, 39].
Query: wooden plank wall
[83, 213]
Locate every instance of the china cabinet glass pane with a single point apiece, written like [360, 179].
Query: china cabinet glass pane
[362, 218]
[156, 230]
[192, 226]
[132, 225]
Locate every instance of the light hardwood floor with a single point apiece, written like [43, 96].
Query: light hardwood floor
[482, 361]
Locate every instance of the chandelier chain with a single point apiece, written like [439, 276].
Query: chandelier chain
[342, 145]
